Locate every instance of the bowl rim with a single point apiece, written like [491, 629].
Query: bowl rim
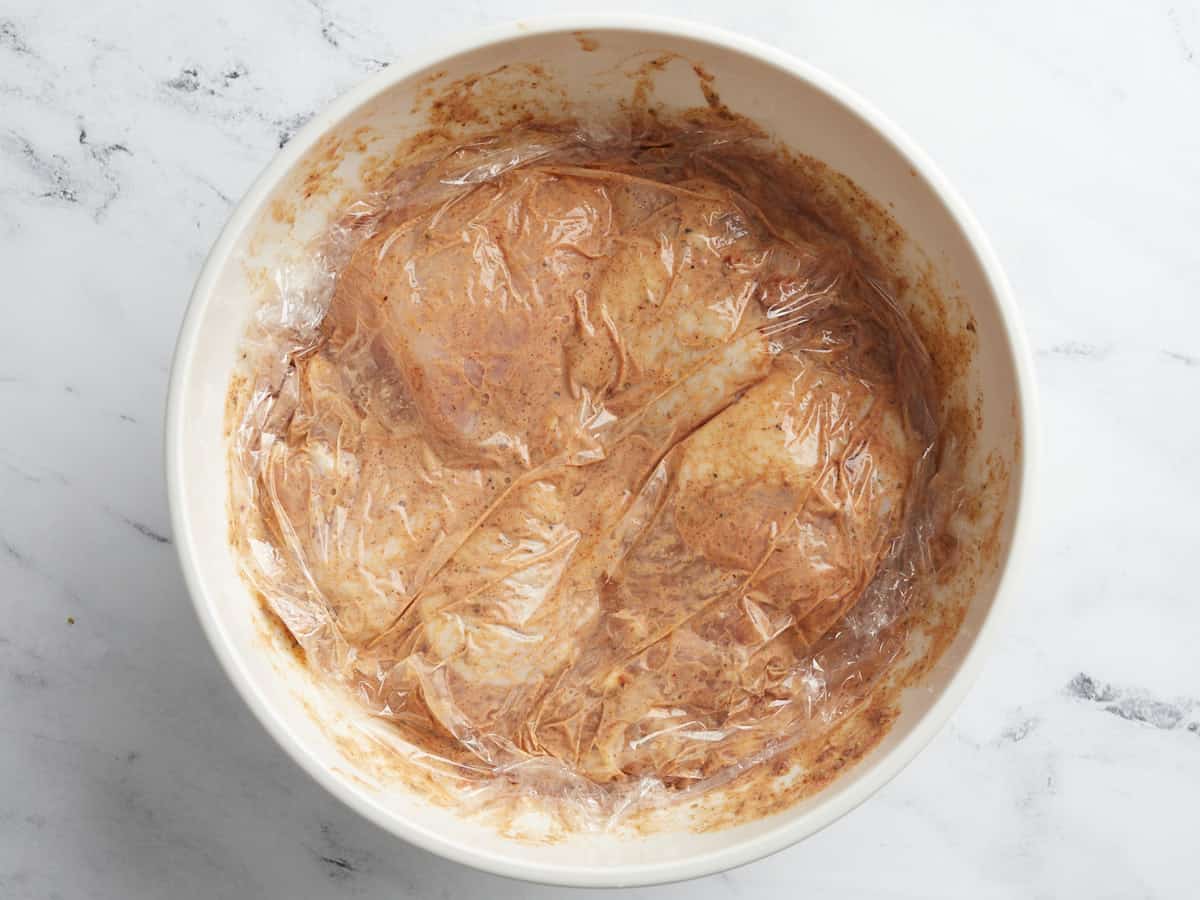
[870, 778]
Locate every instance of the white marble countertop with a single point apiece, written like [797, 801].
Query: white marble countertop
[130, 769]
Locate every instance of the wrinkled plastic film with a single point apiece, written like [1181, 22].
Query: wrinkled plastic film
[599, 468]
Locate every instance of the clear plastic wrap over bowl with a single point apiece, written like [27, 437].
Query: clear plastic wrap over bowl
[594, 462]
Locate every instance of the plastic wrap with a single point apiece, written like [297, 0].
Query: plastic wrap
[598, 467]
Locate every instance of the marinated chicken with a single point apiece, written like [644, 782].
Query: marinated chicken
[591, 456]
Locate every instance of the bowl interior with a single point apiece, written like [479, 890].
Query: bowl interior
[584, 71]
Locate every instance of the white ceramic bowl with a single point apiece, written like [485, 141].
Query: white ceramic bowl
[800, 106]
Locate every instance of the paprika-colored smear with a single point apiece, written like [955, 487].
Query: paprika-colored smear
[598, 467]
